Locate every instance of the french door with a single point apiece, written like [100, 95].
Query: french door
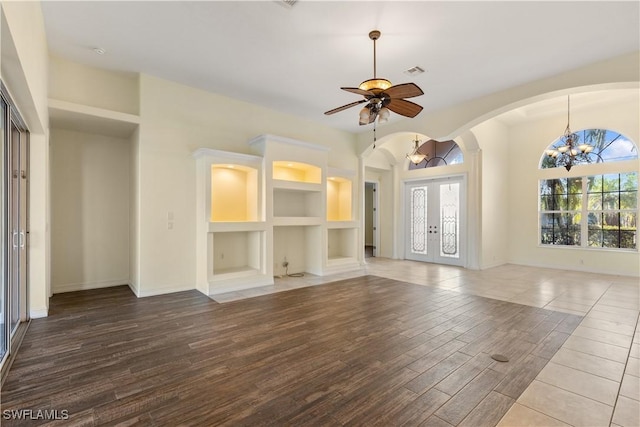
[435, 221]
[14, 154]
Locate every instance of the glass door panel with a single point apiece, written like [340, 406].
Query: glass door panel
[418, 244]
[4, 290]
[450, 220]
[17, 237]
[13, 227]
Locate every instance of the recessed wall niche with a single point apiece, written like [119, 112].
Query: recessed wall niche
[339, 196]
[234, 193]
[297, 172]
[237, 252]
[341, 244]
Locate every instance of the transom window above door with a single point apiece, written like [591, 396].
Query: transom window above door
[438, 153]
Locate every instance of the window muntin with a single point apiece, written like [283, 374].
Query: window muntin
[608, 146]
[612, 202]
[561, 209]
[598, 211]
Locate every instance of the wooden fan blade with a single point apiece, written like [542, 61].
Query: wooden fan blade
[358, 91]
[404, 108]
[405, 90]
[373, 113]
[344, 107]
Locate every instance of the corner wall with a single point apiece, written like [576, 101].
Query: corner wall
[24, 63]
[493, 139]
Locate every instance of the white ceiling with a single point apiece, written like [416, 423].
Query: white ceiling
[295, 59]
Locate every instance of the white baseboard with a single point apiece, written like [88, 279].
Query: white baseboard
[71, 287]
[162, 291]
[133, 288]
[38, 313]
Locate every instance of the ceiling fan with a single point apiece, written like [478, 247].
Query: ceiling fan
[381, 97]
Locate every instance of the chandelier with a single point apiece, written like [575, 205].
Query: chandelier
[572, 152]
[415, 156]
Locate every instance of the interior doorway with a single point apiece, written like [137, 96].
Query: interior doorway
[370, 219]
[435, 220]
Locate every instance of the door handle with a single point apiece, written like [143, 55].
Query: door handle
[22, 239]
[14, 239]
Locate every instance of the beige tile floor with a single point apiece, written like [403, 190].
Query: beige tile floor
[593, 380]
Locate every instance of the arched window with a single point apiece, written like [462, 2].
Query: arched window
[439, 153]
[608, 146]
[595, 211]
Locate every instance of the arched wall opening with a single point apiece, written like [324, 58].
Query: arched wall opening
[501, 172]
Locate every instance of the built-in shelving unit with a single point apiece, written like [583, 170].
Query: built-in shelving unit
[232, 233]
[280, 205]
[85, 118]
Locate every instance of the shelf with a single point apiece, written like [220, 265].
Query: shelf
[234, 193]
[235, 272]
[296, 186]
[237, 226]
[291, 221]
[84, 118]
[340, 260]
[296, 172]
[342, 224]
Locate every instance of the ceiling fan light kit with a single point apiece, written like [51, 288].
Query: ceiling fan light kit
[373, 84]
[381, 96]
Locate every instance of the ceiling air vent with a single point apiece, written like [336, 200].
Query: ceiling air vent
[414, 71]
[286, 3]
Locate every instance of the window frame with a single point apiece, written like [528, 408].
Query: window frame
[584, 211]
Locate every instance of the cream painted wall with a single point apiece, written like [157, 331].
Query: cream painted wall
[368, 214]
[527, 143]
[134, 210]
[493, 139]
[386, 217]
[175, 121]
[24, 63]
[84, 85]
[90, 210]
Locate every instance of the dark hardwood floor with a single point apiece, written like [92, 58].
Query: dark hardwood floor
[363, 351]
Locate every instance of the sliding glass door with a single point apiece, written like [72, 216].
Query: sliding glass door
[4, 292]
[14, 155]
